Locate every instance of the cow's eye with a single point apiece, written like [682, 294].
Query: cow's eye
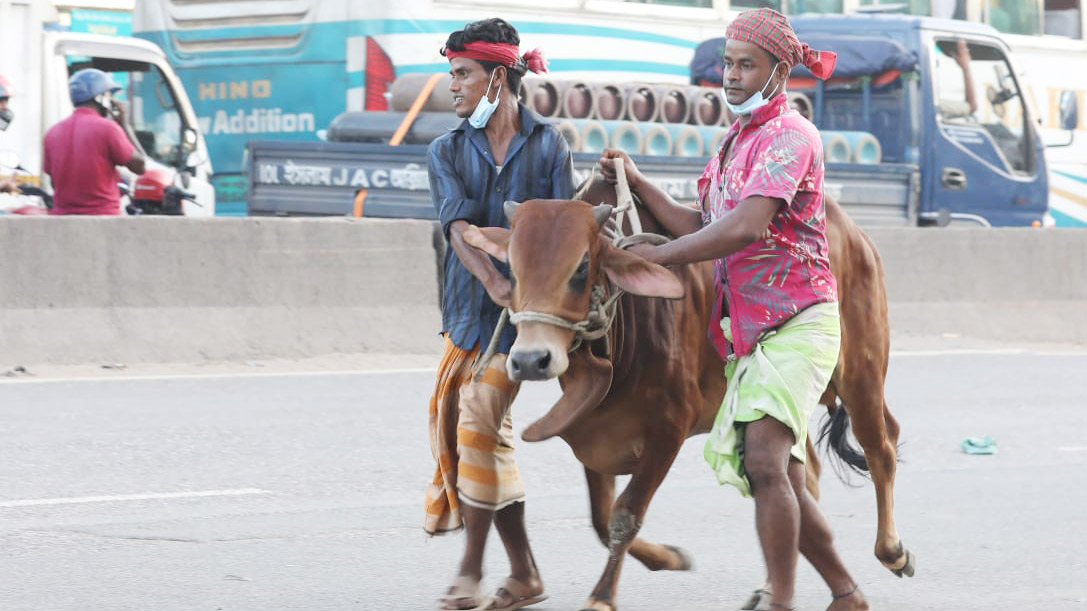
[580, 277]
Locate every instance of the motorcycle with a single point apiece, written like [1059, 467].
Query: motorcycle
[154, 193]
[28, 200]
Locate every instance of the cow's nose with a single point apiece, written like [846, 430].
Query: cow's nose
[530, 364]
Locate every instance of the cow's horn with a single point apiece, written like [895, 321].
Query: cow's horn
[510, 208]
[601, 212]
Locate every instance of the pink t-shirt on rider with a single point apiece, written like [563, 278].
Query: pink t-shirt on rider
[778, 154]
[80, 155]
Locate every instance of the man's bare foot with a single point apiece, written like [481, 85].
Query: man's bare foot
[515, 594]
[463, 594]
[852, 600]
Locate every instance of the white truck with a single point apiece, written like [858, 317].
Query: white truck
[37, 59]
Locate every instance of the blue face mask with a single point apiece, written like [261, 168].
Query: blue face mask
[485, 108]
[753, 103]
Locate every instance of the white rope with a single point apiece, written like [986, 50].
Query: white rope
[625, 199]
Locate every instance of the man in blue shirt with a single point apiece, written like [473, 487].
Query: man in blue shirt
[502, 151]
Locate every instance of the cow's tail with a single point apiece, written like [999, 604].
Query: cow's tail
[835, 433]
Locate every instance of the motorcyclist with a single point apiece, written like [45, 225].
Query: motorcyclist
[7, 183]
[81, 152]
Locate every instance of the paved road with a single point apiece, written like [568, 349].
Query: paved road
[285, 492]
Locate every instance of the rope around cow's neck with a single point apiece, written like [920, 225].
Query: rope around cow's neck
[601, 307]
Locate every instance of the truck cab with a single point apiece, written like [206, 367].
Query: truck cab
[158, 107]
[940, 94]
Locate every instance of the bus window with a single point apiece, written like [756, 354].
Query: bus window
[694, 3]
[975, 88]
[1015, 16]
[741, 5]
[913, 7]
[797, 7]
[1062, 18]
[949, 9]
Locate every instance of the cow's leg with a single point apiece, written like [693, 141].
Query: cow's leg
[629, 510]
[861, 390]
[655, 556]
[601, 496]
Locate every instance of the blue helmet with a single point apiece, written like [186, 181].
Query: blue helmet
[88, 84]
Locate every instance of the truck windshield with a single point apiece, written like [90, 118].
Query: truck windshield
[149, 103]
[975, 89]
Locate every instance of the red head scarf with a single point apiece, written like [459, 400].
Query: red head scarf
[771, 30]
[502, 53]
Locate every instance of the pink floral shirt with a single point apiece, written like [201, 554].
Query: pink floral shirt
[778, 154]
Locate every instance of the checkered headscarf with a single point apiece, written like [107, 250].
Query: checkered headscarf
[771, 30]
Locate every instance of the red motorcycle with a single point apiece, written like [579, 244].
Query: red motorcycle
[154, 193]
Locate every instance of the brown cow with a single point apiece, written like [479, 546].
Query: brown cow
[672, 379]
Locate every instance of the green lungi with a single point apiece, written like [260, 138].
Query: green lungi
[783, 377]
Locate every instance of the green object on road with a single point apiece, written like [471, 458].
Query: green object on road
[979, 445]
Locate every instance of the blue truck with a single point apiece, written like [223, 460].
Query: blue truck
[956, 136]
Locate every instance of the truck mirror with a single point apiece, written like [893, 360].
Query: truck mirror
[188, 139]
[1069, 109]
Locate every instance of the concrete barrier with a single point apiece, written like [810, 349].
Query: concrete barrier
[89, 290]
[86, 290]
[995, 284]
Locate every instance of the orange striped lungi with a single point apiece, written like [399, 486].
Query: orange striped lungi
[471, 437]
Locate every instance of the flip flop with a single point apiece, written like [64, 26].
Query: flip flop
[759, 601]
[511, 587]
[463, 588]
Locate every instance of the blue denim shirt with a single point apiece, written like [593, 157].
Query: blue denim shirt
[466, 185]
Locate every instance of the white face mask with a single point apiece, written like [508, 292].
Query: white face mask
[485, 108]
[753, 103]
[105, 100]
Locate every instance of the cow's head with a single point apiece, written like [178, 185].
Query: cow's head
[556, 255]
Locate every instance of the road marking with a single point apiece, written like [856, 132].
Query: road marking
[959, 352]
[1073, 449]
[990, 352]
[133, 497]
[215, 376]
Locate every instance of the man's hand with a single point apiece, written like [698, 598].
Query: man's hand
[500, 290]
[962, 53]
[645, 251]
[117, 112]
[607, 168]
[8, 185]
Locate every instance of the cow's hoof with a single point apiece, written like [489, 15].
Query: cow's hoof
[904, 565]
[686, 562]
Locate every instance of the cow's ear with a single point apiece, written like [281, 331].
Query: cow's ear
[637, 276]
[491, 240]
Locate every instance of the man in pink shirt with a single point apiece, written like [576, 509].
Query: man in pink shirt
[763, 222]
[81, 152]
